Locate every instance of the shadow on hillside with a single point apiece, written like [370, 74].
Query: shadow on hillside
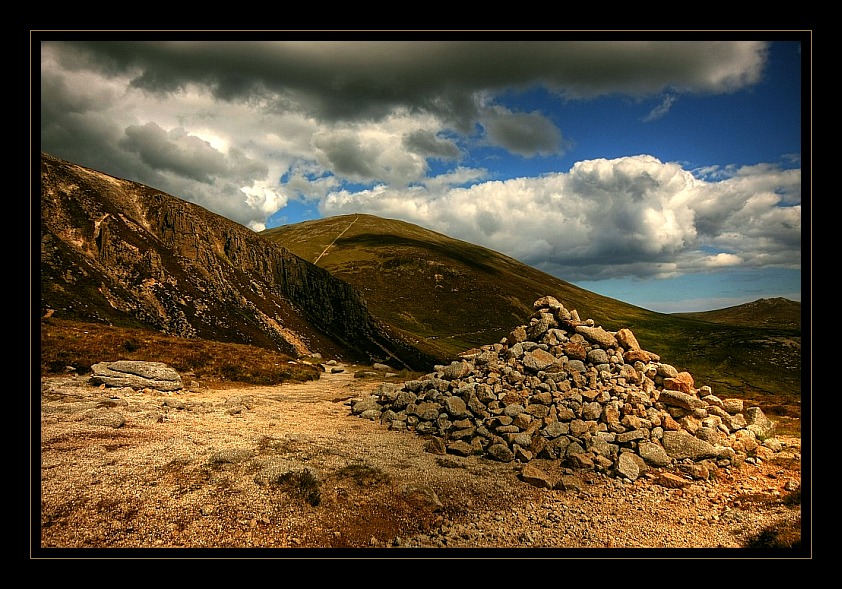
[477, 259]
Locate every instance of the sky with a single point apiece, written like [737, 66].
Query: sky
[661, 171]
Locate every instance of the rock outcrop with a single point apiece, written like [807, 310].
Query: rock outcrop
[118, 252]
[565, 389]
[137, 375]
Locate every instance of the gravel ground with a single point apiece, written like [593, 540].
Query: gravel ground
[287, 471]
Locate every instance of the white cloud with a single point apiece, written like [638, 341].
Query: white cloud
[456, 177]
[723, 260]
[309, 181]
[375, 152]
[622, 217]
[221, 125]
[263, 199]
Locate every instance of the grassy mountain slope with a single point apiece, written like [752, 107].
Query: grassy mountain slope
[448, 296]
[776, 313]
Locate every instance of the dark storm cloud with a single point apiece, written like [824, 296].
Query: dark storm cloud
[175, 151]
[347, 155]
[336, 80]
[526, 134]
[428, 144]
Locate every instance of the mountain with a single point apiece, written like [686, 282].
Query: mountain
[447, 296]
[121, 253]
[357, 287]
[777, 313]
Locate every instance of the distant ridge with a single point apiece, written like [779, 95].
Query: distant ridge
[775, 312]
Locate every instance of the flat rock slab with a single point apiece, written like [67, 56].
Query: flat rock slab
[137, 375]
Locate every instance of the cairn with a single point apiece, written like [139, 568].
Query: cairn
[565, 389]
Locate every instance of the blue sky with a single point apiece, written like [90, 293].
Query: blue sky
[663, 173]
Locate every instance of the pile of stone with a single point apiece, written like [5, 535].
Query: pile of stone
[565, 389]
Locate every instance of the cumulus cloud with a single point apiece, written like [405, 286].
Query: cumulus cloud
[392, 128]
[634, 216]
[309, 181]
[723, 260]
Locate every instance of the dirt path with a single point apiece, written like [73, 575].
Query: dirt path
[289, 467]
[324, 251]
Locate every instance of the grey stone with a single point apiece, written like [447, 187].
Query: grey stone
[105, 418]
[365, 404]
[681, 444]
[500, 452]
[422, 496]
[456, 407]
[136, 374]
[683, 400]
[538, 360]
[460, 448]
[456, 370]
[653, 454]
[627, 466]
[761, 425]
[535, 477]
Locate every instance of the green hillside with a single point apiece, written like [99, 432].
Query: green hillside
[449, 295]
[773, 313]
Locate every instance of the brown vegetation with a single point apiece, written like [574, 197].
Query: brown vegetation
[72, 345]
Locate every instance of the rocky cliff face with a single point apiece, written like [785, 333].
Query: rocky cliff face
[120, 252]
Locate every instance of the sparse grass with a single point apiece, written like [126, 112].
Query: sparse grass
[787, 426]
[302, 484]
[80, 345]
[449, 463]
[782, 535]
[363, 474]
[791, 498]
[778, 312]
